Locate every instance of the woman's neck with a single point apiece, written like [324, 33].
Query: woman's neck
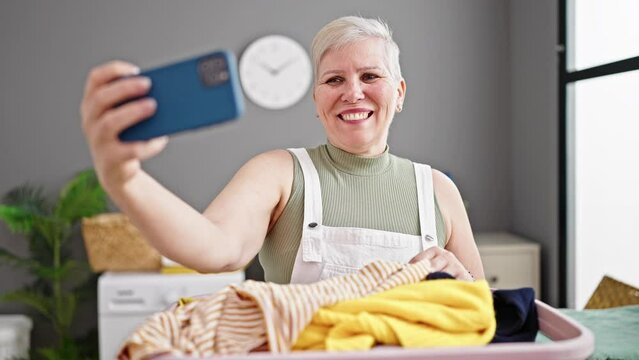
[357, 164]
[368, 151]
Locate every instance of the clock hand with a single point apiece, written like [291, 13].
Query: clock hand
[270, 70]
[283, 66]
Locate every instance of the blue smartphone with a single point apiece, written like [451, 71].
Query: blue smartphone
[201, 91]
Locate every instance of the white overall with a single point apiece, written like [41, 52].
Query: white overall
[327, 251]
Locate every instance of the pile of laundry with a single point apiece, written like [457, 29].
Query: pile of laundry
[385, 303]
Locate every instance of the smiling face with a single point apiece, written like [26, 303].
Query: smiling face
[356, 97]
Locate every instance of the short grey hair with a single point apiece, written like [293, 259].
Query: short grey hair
[348, 29]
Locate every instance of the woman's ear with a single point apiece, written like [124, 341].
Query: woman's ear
[401, 93]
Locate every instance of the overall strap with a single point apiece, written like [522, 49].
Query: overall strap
[312, 225]
[426, 205]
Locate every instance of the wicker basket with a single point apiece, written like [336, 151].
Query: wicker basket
[114, 244]
[612, 293]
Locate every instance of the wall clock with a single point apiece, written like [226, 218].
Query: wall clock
[275, 72]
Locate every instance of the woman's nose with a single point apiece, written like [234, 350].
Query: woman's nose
[353, 92]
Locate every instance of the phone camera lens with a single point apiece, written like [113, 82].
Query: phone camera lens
[213, 70]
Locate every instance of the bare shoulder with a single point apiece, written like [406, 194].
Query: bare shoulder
[275, 169]
[444, 187]
[273, 157]
[260, 187]
[278, 159]
[448, 198]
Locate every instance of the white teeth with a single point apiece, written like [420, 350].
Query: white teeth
[355, 116]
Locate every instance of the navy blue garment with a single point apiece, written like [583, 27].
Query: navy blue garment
[516, 315]
[439, 275]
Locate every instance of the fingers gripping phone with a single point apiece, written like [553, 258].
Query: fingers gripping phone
[190, 94]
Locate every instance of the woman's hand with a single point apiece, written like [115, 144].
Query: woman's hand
[116, 162]
[444, 260]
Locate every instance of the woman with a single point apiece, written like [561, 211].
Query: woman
[310, 213]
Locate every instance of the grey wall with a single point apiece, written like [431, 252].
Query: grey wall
[534, 132]
[456, 58]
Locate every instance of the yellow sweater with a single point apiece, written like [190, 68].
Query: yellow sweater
[424, 314]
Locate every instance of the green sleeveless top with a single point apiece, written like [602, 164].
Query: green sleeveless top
[373, 193]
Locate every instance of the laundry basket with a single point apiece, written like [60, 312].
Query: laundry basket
[570, 341]
[15, 337]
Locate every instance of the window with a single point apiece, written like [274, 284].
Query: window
[604, 31]
[599, 132]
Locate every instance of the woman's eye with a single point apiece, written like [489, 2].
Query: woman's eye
[369, 77]
[334, 80]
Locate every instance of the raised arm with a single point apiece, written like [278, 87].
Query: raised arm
[231, 230]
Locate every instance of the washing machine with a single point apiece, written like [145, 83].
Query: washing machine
[125, 300]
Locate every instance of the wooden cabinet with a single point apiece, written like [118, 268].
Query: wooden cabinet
[510, 261]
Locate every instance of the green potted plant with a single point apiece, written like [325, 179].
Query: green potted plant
[60, 282]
